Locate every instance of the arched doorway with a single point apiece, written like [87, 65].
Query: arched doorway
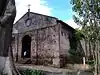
[26, 47]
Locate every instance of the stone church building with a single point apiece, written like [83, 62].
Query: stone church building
[41, 40]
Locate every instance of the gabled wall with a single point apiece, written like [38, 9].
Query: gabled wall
[37, 21]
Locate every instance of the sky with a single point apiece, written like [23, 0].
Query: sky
[61, 9]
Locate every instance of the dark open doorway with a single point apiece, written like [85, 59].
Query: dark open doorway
[26, 47]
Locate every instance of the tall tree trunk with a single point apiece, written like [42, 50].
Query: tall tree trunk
[90, 53]
[96, 59]
[86, 50]
[7, 66]
[93, 50]
[14, 69]
[95, 65]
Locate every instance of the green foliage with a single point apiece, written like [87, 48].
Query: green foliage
[79, 34]
[32, 72]
[76, 51]
[91, 62]
[87, 14]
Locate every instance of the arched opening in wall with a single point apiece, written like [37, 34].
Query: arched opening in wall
[26, 47]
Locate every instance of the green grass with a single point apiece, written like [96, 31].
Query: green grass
[32, 72]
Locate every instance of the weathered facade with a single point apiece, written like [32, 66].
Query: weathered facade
[41, 40]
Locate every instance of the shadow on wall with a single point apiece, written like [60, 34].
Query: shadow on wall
[76, 51]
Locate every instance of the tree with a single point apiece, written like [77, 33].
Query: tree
[7, 16]
[88, 17]
[76, 51]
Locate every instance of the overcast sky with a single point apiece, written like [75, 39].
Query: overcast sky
[61, 9]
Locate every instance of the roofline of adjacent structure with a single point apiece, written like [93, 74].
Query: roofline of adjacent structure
[65, 24]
